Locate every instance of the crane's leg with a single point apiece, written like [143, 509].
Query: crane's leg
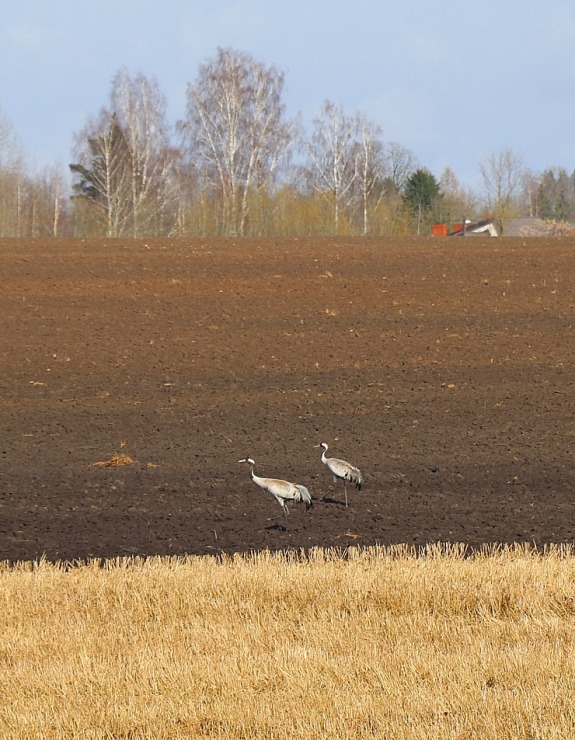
[335, 486]
[286, 512]
[345, 491]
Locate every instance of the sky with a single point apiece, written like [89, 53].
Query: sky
[451, 81]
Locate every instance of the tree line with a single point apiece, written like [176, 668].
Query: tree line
[238, 165]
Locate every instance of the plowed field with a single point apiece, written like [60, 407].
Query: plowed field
[443, 368]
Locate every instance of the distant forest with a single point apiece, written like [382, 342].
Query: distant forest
[238, 165]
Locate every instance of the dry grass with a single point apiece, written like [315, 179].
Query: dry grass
[549, 227]
[379, 643]
[115, 462]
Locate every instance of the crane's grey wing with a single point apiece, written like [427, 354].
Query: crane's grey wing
[354, 476]
[347, 472]
[304, 496]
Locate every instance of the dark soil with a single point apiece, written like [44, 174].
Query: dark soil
[443, 368]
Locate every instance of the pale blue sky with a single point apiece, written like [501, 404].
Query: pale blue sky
[452, 81]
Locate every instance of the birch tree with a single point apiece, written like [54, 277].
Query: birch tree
[12, 179]
[10, 148]
[502, 174]
[235, 132]
[140, 108]
[126, 167]
[104, 173]
[370, 168]
[333, 156]
[32, 204]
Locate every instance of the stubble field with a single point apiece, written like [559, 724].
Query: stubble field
[442, 368]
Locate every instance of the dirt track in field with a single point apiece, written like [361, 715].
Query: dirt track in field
[443, 368]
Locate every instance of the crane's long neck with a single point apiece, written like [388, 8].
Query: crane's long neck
[256, 479]
[323, 451]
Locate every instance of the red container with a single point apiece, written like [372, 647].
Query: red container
[439, 229]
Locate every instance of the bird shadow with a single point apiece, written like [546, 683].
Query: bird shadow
[278, 527]
[331, 500]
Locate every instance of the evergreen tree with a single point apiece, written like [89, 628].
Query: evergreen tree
[554, 195]
[104, 175]
[422, 197]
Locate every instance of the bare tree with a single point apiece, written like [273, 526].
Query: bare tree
[57, 186]
[47, 203]
[10, 147]
[502, 174]
[126, 167]
[333, 153]
[400, 164]
[531, 184]
[141, 111]
[370, 167]
[12, 179]
[31, 204]
[104, 172]
[457, 203]
[235, 131]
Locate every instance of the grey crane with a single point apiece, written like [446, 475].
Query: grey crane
[282, 490]
[342, 470]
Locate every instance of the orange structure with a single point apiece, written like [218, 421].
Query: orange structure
[439, 230]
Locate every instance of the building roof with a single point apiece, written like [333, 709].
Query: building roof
[486, 225]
